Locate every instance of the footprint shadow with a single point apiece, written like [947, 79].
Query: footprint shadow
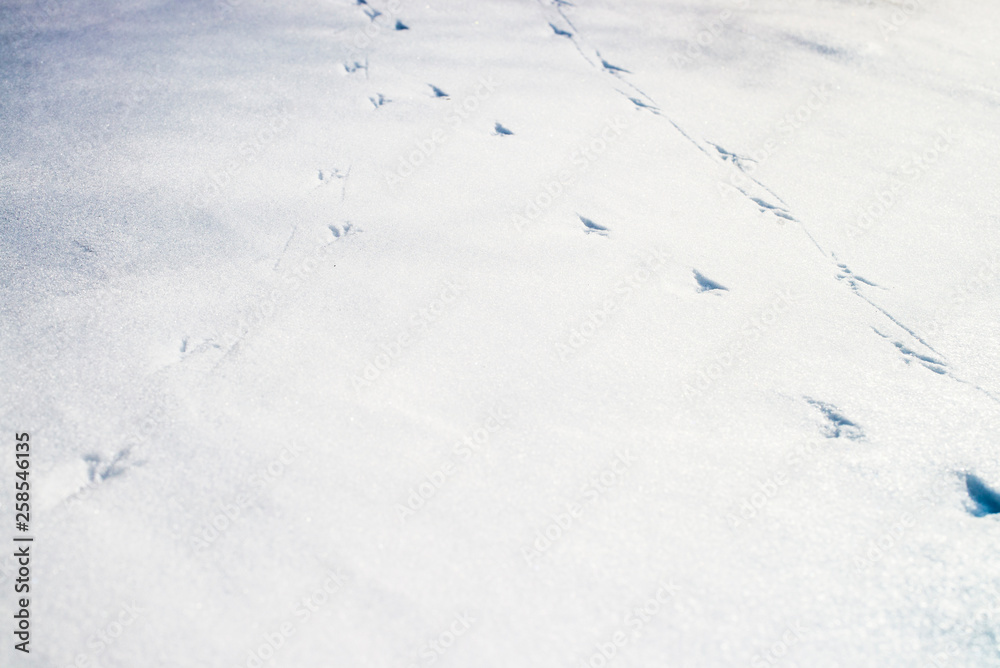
[984, 500]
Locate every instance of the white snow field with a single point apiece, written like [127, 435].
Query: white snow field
[502, 333]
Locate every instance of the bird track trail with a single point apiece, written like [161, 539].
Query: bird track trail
[554, 12]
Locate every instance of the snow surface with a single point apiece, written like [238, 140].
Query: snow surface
[404, 293]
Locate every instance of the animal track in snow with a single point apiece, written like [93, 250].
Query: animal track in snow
[288, 243]
[985, 501]
[613, 68]
[98, 470]
[776, 210]
[592, 227]
[752, 184]
[642, 100]
[356, 66]
[500, 130]
[816, 47]
[84, 247]
[560, 32]
[642, 105]
[847, 276]
[835, 424]
[909, 355]
[379, 101]
[706, 284]
[341, 231]
[401, 26]
[729, 156]
[438, 92]
[327, 176]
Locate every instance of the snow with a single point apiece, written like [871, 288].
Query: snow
[542, 334]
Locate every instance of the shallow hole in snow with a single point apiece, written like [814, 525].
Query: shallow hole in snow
[706, 284]
[985, 501]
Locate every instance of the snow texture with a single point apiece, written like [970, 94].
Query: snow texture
[502, 333]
